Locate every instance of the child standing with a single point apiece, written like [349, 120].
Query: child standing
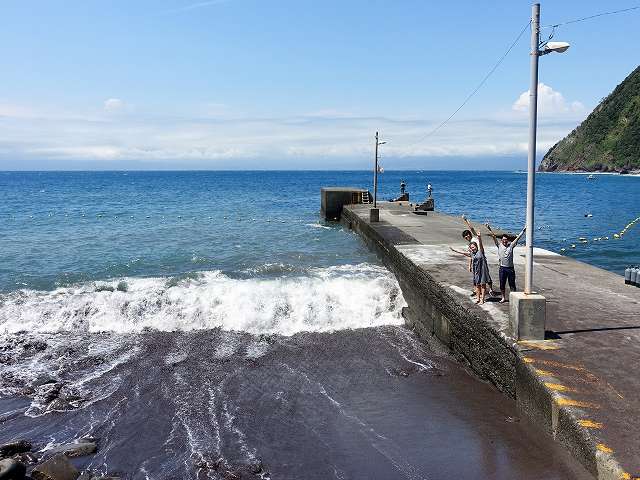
[468, 235]
[480, 269]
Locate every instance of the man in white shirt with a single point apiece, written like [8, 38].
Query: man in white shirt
[505, 261]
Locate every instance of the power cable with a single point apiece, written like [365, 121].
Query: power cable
[480, 85]
[613, 12]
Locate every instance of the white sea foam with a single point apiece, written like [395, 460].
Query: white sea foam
[324, 299]
[317, 225]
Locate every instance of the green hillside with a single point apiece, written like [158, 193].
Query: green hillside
[608, 140]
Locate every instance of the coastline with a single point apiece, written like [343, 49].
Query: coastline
[634, 173]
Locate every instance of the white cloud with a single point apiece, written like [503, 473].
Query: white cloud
[112, 105]
[309, 140]
[18, 111]
[550, 103]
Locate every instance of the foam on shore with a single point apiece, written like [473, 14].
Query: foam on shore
[323, 299]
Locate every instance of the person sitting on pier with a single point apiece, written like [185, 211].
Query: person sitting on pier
[507, 271]
[471, 235]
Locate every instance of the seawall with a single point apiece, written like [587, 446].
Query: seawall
[563, 383]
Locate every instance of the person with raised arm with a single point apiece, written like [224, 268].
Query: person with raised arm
[471, 235]
[506, 270]
[480, 269]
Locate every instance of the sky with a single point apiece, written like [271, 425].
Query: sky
[305, 84]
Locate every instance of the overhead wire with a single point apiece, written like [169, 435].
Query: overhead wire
[602, 14]
[499, 62]
[480, 85]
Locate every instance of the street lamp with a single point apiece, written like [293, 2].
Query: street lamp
[375, 173]
[537, 50]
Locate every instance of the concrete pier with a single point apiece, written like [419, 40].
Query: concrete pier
[333, 198]
[580, 383]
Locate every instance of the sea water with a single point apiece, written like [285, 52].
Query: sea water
[63, 229]
[211, 325]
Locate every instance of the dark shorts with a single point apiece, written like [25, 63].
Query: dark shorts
[507, 273]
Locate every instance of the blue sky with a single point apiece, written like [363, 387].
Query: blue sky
[293, 84]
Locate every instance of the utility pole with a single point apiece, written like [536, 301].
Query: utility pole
[375, 176]
[374, 213]
[528, 309]
[531, 166]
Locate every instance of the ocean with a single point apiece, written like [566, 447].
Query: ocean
[211, 325]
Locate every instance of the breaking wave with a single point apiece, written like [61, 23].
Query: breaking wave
[324, 299]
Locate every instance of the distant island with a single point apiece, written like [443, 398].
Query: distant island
[608, 140]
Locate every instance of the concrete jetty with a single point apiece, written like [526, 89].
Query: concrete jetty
[580, 383]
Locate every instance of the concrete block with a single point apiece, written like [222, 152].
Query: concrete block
[332, 199]
[374, 215]
[427, 206]
[527, 315]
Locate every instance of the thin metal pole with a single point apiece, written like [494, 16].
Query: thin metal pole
[375, 177]
[531, 166]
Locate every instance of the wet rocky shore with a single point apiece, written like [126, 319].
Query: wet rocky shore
[370, 403]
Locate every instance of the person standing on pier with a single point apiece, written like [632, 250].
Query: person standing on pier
[470, 236]
[507, 271]
[478, 267]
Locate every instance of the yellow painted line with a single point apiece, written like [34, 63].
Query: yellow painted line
[559, 365]
[540, 344]
[603, 448]
[625, 476]
[543, 373]
[569, 402]
[528, 359]
[558, 388]
[590, 424]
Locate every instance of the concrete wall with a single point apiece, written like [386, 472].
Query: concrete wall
[433, 312]
[332, 199]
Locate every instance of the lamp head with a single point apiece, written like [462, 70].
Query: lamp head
[558, 47]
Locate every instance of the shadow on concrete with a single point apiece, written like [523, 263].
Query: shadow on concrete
[550, 334]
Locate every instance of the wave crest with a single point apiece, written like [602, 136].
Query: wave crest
[324, 299]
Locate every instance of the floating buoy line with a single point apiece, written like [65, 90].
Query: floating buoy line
[604, 238]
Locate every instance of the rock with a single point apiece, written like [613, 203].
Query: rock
[59, 405]
[80, 448]
[10, 449]
[49, 391]
[56, 468]
[88, 475]
[26, 458]
[35, 345]
[43, 380]
[11, 470]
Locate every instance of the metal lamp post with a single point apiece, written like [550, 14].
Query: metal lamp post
[536, 52]
[375, 173]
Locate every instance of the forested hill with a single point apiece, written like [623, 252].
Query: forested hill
[608, 140]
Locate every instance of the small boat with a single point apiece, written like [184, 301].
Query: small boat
[591, 177]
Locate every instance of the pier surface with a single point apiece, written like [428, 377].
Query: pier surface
[580, 384]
